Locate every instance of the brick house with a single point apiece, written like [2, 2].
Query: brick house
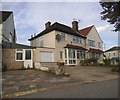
[61, 43]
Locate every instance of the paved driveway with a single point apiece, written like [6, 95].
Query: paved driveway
[27, 80]
[89, 73]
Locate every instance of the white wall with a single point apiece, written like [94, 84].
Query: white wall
[117, 53]
[94, 35]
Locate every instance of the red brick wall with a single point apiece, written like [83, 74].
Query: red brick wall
[8, 60]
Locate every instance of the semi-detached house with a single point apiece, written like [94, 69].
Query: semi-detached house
[56, 43]
[61, 43]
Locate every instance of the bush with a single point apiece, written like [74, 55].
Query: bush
[115, 68]
[107, 61]
[87, 62]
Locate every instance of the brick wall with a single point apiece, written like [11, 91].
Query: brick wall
[8, 60]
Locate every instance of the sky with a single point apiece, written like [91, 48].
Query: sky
[30, 18]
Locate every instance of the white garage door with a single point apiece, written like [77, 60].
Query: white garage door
[46, 56]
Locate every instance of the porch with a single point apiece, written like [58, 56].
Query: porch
[73, 54]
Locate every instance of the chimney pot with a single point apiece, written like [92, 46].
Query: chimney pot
[75, 25]
[47, 25]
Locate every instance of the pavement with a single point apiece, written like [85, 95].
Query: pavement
[22, 82]
[103, 89]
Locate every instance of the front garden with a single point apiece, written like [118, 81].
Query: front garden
[114, 64]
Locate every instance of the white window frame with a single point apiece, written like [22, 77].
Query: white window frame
[19, 52]
[63, 35]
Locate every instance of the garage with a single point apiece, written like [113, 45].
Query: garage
[46, 56]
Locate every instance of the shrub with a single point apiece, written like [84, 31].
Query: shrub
[116, 68]
[107, 61]
[87, 62]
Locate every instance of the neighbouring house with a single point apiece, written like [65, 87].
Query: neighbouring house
[113, 53]
[61, 43]
[7, 30]
[12, 55]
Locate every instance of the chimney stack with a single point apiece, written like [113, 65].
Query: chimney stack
[75, 25]
[47, 25]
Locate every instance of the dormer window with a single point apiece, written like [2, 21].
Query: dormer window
[63, 36]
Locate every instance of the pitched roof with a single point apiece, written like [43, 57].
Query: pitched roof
[85, 31]
[95, 50]
[59, 27]
[74, 47]
[4, 15]
[113, 48]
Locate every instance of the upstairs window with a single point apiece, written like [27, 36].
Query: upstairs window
[99, 44]
[41, 41]
[74, 39]
[91, 43]
[80, 40]
[63, 36]
[77, 39]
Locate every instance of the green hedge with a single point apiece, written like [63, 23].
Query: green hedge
[88, 62]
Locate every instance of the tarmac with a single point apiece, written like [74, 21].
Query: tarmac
[22, 82]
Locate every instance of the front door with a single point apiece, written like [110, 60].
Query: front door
[28, 58]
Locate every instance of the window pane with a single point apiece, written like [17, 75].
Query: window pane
[19, 56]
[77, 39]
[74, 39]
[41, 42]
[78, 54]
[28, 54]
[73, 53]
[63, 36]
[61, 55]
[80, 40]
[65, 53]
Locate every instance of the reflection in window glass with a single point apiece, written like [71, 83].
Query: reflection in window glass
[19, 56]
[28, 54]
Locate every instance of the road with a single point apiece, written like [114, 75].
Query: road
[104, 89]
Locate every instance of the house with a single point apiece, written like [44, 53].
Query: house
[113, 53]
[12, 55]
[7, 30]
[61, 43]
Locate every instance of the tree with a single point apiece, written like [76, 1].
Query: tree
[111, 13]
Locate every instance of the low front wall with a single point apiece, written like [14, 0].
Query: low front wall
[8, 60]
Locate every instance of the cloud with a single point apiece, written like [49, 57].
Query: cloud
[30, 17]
[103, 28]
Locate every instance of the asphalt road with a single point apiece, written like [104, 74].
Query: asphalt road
[104, 89]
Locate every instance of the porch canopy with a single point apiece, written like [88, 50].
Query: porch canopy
[74, 47]
[95, 50]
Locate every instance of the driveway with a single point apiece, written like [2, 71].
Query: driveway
[89, 73]
[16, 82]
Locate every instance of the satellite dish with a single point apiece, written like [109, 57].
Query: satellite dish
[58, 37]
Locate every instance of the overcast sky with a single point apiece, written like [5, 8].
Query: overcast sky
[30, 18]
